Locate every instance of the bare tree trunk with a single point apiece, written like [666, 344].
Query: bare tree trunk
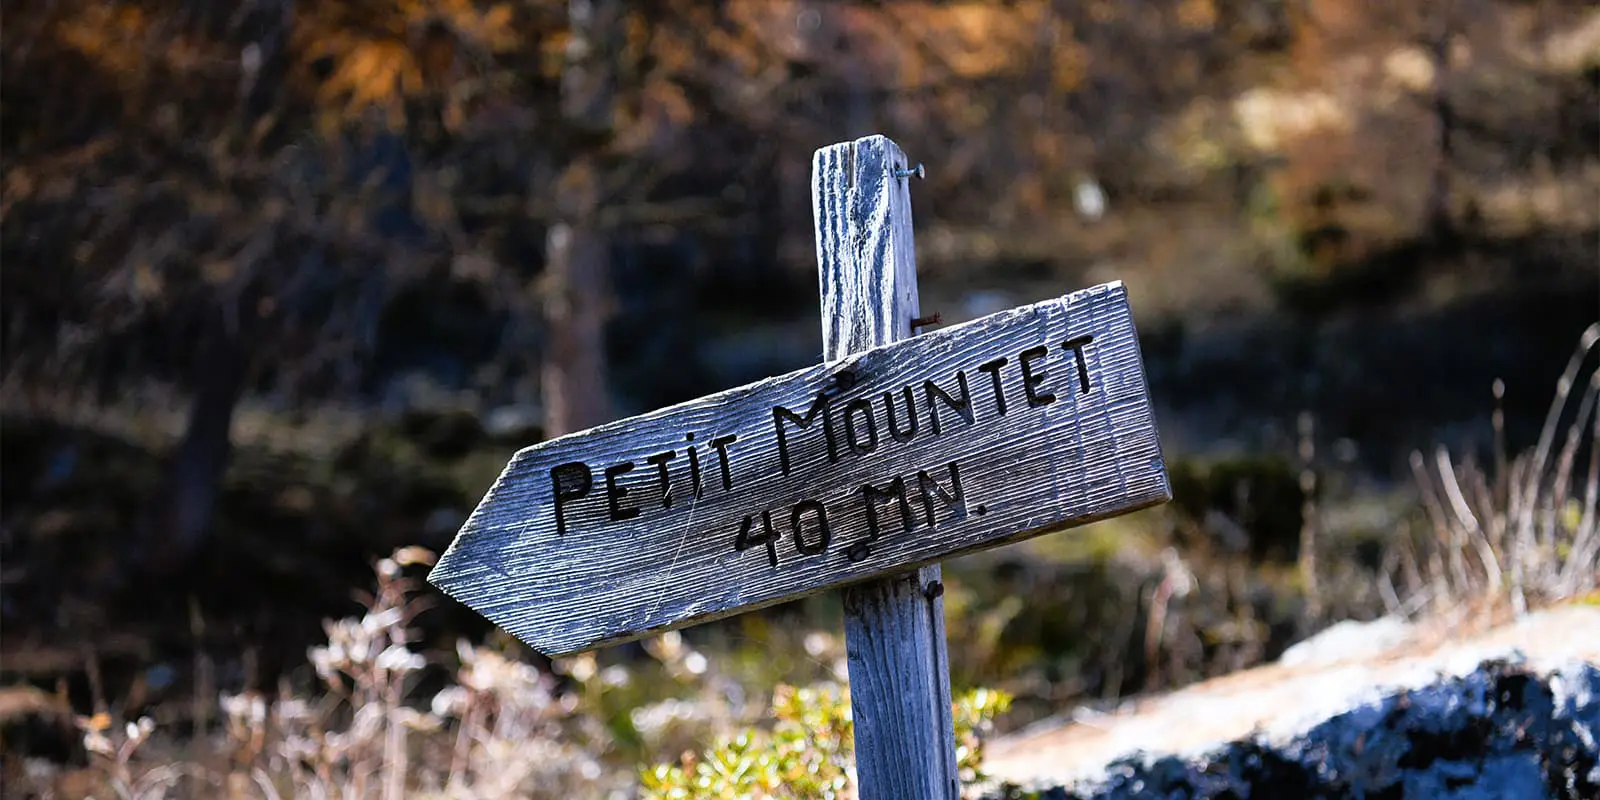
[1441, 226]
[183, 514]
[575, 288]
[823, 39]
[575, 310]
[188, 504]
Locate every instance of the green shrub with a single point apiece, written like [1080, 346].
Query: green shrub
[807, 752]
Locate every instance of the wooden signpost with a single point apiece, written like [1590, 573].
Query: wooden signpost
[861, 473]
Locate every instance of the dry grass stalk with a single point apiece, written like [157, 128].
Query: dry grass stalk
[1524, 535]
[499, 728]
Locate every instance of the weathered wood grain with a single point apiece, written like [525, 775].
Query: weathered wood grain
[1084, 456]
[894, 626]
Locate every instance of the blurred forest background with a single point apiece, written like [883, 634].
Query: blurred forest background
[283, 285]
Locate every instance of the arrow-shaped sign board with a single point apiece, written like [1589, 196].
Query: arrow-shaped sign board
[1003, 428]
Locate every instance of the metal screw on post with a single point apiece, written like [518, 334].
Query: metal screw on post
[908, 172]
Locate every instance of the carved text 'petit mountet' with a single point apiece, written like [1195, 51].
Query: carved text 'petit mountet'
[849, 429]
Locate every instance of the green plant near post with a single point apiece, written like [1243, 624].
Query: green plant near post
[807, 751]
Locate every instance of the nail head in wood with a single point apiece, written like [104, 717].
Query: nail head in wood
[908, 172]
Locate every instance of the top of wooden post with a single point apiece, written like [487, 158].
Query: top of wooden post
[863, 219]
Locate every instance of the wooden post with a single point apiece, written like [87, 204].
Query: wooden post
[894, 626]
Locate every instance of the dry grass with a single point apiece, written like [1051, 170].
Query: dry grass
[498, 728]
[1522, 532]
